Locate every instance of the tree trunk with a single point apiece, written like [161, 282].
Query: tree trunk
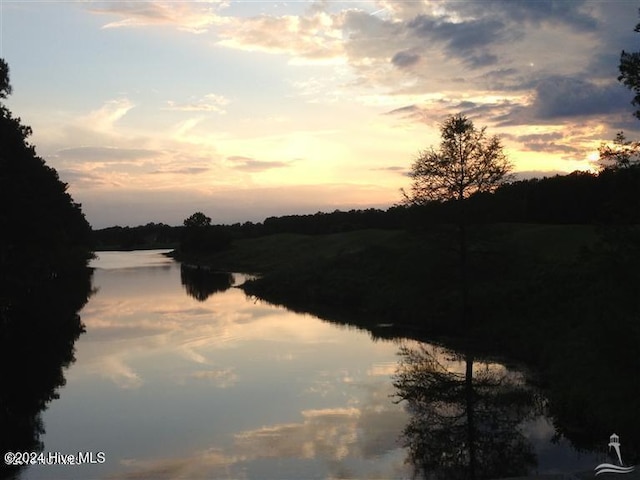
[471, 427]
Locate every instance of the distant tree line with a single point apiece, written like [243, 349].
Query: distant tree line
[608, 197]
[163, 235]
[605, 198]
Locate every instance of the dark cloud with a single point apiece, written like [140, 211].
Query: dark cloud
[416, 114]
[573, 13]
[537, 137]
[484, 59]
[394, 169]
[468, 40]
[409, 109]
[435, 112]
[562, 98]
[462, 36]
[405, 59]
[248, 164]
[569, 97]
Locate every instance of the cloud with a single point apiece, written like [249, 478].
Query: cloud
[192, 170]
[575, 14]
[81, 179]
[315, 36]
[195, 17]
[222, 378]
[119, 372]
[468, 40]
[405, 59]
[104, 118]
[550, 142]
[248, 164]
[209, 103]
[394, 169]
[558, 99]
[105, 154]
[339, 442]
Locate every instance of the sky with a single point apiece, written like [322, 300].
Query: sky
[152, 110]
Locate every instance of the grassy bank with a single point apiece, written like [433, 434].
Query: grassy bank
[411, 280]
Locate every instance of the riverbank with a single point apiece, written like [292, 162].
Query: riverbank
[410, 280]
[561, 299]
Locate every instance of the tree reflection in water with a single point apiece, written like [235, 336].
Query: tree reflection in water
[39, 324]
[200, 282]
[464, 424]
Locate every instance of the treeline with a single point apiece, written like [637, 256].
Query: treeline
[160, 235]
[608, 197]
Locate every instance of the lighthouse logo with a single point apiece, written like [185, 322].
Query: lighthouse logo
[614, 442]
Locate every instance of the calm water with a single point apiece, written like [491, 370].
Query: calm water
[168, 386]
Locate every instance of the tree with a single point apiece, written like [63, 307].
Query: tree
[196, 220]
[630, 73]
[43, 229]
[44, 282]
[199, 236]
[467, 162]
[622, 154]
[5, 86]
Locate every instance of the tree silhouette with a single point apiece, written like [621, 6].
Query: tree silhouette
[36, 212]
[622, 153]
[196, 220]
[5, 86]
[199, 236]
[629, 68]
[467, 163]
[45, 245]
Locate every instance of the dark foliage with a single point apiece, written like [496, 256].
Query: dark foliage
[36, 212]
[151, 235]
[202, 282]
[39, 324]
[630, 74]
[204, 239]
[45, 245]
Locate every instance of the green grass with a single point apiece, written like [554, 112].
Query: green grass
[412, 279]
[272, 253]
[277, 252]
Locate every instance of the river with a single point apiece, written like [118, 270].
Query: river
[182, 378]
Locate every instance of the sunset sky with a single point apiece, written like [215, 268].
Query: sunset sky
[151, 110]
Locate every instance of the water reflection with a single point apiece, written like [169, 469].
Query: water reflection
[169, 386]
[465, 416]
[200, 282]
[39, 324]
